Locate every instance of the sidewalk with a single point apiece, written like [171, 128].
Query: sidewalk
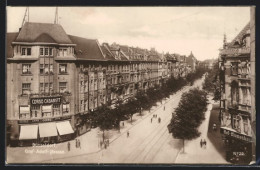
[194, 154]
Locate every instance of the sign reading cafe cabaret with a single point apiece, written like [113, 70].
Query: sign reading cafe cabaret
[48, 100]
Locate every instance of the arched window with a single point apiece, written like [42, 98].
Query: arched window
[234, 93]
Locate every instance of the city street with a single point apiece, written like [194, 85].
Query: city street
[149, 141]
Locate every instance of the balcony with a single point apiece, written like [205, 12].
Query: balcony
[235, 51]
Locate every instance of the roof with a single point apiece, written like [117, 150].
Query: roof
[240, 35]
[88, 49]
[107, 53]
[10, 37]
[43, 32]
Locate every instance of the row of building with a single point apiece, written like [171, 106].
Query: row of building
[55, 80]
[237, 104]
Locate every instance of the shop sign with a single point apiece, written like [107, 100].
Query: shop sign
[235, 135]
[49, 100]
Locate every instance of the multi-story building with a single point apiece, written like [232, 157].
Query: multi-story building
[56, 80]
[235, 103]
[191, 62]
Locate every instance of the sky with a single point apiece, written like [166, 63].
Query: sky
[167, 29]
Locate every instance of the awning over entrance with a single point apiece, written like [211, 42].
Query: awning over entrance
[64, 128]
[28, 132]
[47, 130]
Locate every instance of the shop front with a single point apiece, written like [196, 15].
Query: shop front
[238, 146]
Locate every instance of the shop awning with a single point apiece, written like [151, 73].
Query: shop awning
[47, 130]
[64, 128]
[28, 132]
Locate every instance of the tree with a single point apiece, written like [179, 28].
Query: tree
[130, 108]
[188, 115]
[118, 112]
[103, 118]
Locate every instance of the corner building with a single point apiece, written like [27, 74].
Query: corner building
[235, 103]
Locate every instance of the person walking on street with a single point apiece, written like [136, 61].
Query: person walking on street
[79, 144]
[205, 143]
[151, 120]
[123, 124]
[68, 146]
[159, 120]
[76, 143]
[201, 143]
[164, 108]
[127, 133]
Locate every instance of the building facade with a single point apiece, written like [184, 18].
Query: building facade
[55, 81]
[235, 103]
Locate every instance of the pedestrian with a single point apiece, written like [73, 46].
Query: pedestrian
[101, 143]
[164, 108]
[79, 144]
[205, 143]
[127, 133]
[201, 143]
[68, 146]
[151, 120]
[76, 143]
[123, 124]
[107, 142]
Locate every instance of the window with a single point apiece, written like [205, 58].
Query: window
[65, 108]
[26, 88]
[41, 87]
[56, 110]
[81, 105]
[234, 68]
[63, 87]
[35, 111]
[46, 87]
[63, 68]
[26, 68]
[234, 93]
[24, 112]
[60, 52]
[46, 111]
[81, 86]
[46, 69]
[65, 53]
[50, 51]
[51, 68]
[41, 51]
[46, 51]
[41, 68]
[29, 51]
[26, 51]
[23, 51]
[51, 86]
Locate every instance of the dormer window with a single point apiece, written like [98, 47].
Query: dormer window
[47, 51]
[63, 52]
[26, 51]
